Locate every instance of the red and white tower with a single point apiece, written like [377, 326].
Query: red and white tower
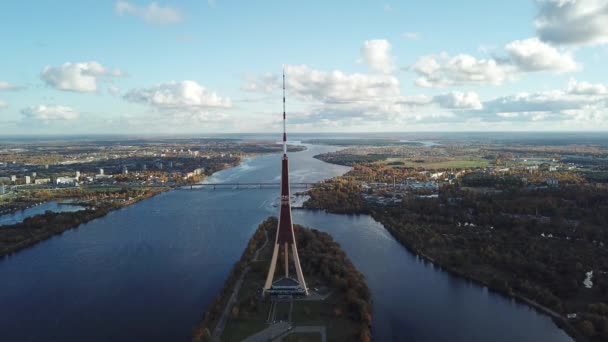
[285, 237]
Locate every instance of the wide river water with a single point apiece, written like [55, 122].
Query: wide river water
[148, 271]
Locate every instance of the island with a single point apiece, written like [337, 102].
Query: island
[338, 307]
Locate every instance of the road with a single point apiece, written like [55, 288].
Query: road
[221, 324]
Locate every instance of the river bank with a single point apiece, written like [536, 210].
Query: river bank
[558, 318]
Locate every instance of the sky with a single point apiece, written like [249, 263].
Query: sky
[198, 66]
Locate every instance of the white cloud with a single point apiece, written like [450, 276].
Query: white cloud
[523, 56]
[412, 35]
[339, 87]
[376, 54]
[576, 22]
[266, 83]
[182, 95]
[5, 86]
[533, 55]
[525, 116]
[459, 100]
[47, 113]
[547, 101]
[3, 104]
[78, 77]
[586, 88]
[442, 70]
[113, 90]
[339, 98]
[152, 13]
[581, 101]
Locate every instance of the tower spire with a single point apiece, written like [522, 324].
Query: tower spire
[284, 124]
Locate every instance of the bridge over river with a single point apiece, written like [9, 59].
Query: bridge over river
[253, 185]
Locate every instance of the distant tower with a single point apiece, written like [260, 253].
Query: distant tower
[285, 237]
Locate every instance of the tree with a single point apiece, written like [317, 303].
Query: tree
[206, 336]
[586, 328]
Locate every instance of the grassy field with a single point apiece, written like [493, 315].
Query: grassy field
[303, 337]
[339, 327]
[438, 164]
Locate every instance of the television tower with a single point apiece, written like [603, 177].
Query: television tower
[285, 237]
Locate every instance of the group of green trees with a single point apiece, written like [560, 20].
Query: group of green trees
[323, 258]
[343, 196]
[350, 159]
[535, 244]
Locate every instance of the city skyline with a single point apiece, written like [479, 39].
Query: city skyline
[214, 66]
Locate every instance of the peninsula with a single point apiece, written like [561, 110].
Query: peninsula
[338, 307]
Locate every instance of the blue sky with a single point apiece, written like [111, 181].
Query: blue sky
[199, 66]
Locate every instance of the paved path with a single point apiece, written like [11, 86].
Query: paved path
[271, 333]
[257, 253]
[308, 329]
[221, 324]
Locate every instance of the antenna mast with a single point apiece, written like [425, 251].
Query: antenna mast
[284, 128]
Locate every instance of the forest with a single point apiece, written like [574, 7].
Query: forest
[535, 245]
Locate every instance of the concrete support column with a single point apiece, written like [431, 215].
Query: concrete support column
[286, 260]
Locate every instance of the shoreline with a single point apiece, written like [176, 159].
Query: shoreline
[94, 214]
[560, 321]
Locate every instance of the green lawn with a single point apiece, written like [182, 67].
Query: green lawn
[303, 337]
[253, 319]
[438, 164]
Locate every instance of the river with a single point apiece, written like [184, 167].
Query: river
[148, 271]
[54, 206]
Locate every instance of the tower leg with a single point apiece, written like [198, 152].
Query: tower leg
[286, 260]
[296, 261]
[273, 264]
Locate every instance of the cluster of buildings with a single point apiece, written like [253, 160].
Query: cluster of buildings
[196, 172]
[33, 179]
[25, 180]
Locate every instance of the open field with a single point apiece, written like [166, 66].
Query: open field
[437, 164]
